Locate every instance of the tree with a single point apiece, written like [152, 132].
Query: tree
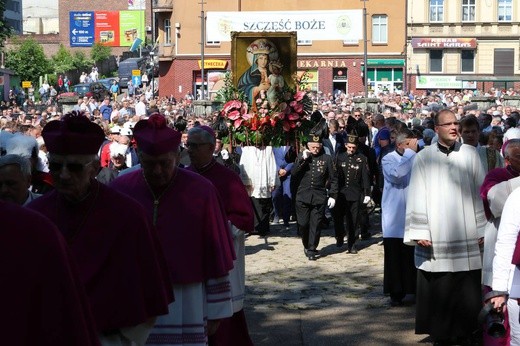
[80, 61]
[100, 52]
[28, 60]
[5, 29]
[62, 60]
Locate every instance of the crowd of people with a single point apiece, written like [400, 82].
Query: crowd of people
[113, 176]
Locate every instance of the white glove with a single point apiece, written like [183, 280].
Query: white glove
[366, 200]
[331, 203]
[225, 154]
[306, 153]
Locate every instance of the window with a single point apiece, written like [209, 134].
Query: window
[468, 10]
[304, 42]
[167, 32]
[503, 62]
[379, 28]
[436, 10]
[13, 6]
[505, 10]
[467, 61]
[436, 60]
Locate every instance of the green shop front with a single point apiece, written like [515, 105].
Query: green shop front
[385, 75]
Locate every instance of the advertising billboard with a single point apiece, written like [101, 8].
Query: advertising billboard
[111, 28]
[107, 28]
[131, 27]
[81, 32]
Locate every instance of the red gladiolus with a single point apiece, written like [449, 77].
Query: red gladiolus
[264, 121]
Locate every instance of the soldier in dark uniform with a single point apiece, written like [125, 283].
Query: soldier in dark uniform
[312, 170]
[373, 173]
[354, 189]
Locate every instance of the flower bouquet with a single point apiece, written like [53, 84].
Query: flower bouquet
[266, 123]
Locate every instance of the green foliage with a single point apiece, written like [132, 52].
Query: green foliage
[28, 61]
[100, 52]
[229, 91]
[80, 61]
[65, 60]
[62, 61]
[52, 79]
[5, 29]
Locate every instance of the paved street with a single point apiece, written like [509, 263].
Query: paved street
[336, 300]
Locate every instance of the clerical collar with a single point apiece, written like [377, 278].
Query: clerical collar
[207, 166]
[445, 150]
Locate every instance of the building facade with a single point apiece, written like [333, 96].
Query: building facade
[13, 15]
[331, 63]
[463, 44]
[40, 17]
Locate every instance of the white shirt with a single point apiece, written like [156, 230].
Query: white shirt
[140, 109]
[505, 245]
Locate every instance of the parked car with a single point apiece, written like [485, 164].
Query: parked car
[107, 82]
[81, 89]
[95, 89]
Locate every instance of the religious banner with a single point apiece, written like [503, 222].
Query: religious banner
[344, 25]
[264, 101]
[263, 62]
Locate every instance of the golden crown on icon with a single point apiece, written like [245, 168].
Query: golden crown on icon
[261, 47]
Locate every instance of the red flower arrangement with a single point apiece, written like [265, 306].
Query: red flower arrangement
[268, 124]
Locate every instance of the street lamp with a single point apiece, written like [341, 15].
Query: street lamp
[152, 20]
[202, 43]
[365, 44]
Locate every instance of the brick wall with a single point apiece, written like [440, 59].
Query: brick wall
[180, 72]
[50, 42]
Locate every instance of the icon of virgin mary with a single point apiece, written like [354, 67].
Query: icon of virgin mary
[256, 78]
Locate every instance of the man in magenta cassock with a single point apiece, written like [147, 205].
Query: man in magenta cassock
[41, 298]
[201, 145]
[117, 254]
[191, 223]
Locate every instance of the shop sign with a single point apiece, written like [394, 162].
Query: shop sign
[444, 42]
[302, 64]
[340, 74]
[442, 82]
[213, 64]
[310, 25]
[385, 62]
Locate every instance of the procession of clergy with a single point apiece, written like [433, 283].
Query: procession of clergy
[172, 270]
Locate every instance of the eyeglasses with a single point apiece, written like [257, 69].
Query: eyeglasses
[72, 167]
[454, 123]
[194, 145]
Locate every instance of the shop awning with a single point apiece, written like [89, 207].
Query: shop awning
[385, 62]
